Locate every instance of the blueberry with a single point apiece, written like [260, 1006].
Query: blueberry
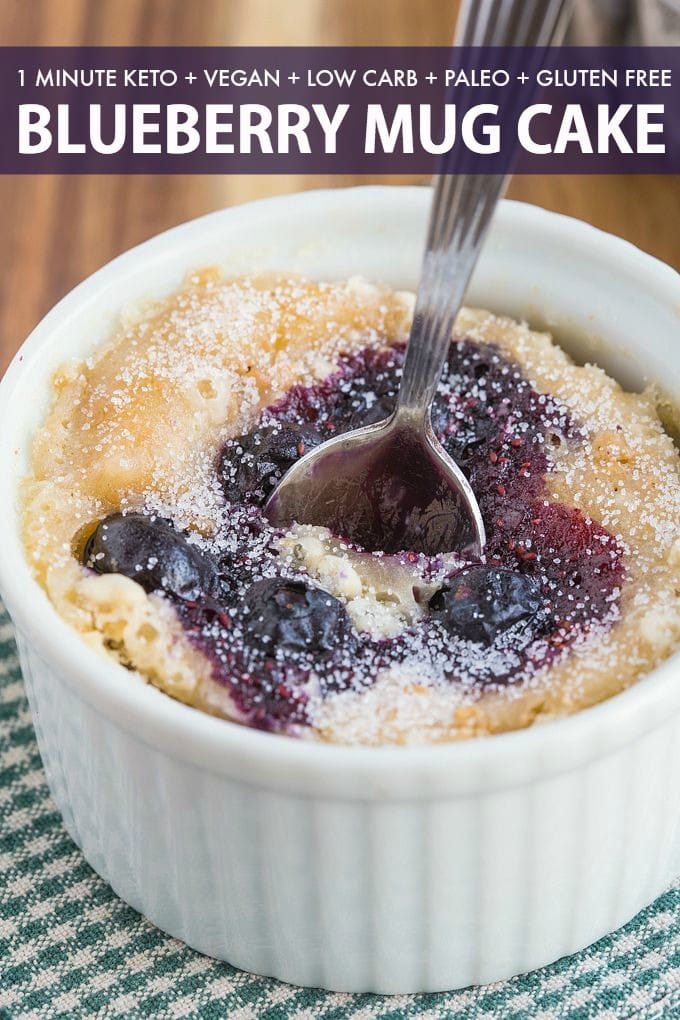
[152, 553]
[379, 410]
[290, 615]
[252, 465]
[479, 603]
[473, 435]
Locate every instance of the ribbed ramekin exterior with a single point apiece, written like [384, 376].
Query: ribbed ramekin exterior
[350, 893]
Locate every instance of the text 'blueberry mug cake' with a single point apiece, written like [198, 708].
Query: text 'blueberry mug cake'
[144, 518]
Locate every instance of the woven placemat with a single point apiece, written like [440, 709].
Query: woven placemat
[70, 948]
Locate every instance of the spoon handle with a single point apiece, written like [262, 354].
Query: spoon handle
[463, 205]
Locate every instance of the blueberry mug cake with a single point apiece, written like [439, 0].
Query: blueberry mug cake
[143, 518]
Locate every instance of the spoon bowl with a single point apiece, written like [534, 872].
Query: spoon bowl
[389, 486]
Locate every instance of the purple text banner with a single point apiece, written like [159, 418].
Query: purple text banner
[339, 110]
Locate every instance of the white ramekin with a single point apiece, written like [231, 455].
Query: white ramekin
[388, 870]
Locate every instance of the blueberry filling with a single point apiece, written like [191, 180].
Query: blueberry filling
[275, 642]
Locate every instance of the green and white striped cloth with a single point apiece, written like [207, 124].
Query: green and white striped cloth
[70, 948]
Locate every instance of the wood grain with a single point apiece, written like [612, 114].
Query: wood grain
[57, 230]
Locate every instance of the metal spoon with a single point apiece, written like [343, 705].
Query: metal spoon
[391, 486]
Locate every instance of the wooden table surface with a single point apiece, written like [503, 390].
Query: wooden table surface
[57, 230]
